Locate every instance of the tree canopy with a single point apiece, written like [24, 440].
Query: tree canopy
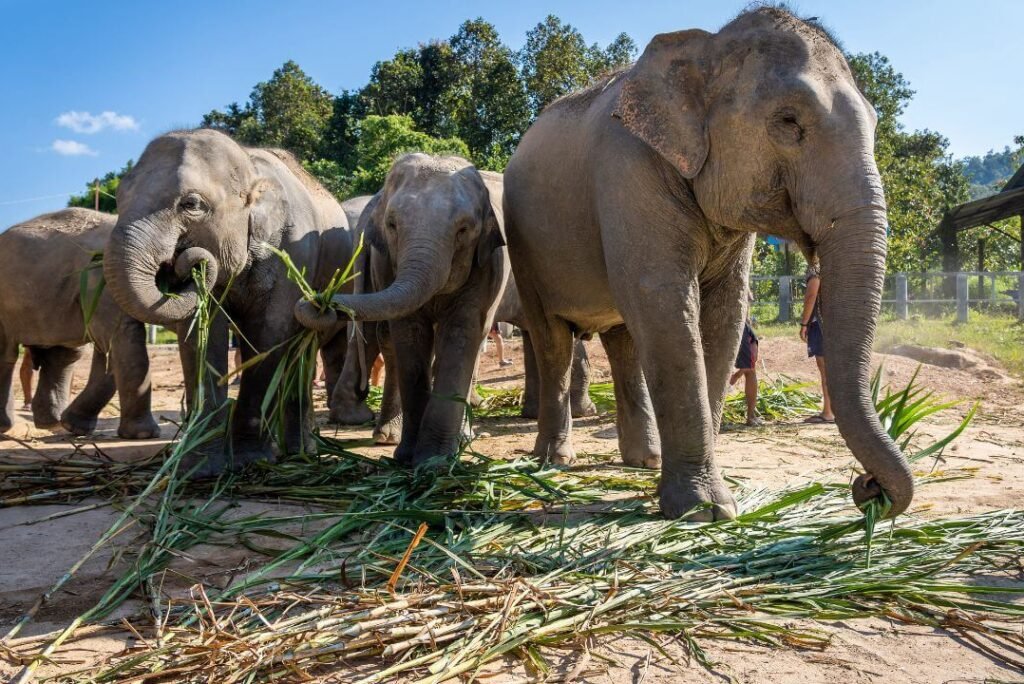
[472, 95]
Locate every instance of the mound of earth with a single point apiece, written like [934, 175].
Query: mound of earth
[961, 359]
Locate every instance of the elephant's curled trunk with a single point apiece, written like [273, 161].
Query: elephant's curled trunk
[422, 272]
[131, 261]
[853, 269]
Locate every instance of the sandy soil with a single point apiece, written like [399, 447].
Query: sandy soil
[35, 549]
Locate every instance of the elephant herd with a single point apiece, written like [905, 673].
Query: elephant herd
[628, 211]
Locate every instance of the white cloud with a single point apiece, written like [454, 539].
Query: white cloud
[72, 148]
[84, 122]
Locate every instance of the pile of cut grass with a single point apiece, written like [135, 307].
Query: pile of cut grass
[434, 573]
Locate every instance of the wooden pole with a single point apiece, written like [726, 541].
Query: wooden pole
[96, 193]
[981, 268]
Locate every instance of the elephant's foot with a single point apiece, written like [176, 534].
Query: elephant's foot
[46, 417]
[143, 427]
[583, 406]
[357, 414]
[389, 432]
[78, 424]
[698, 498]
[643, 456]
[6, 421]
[554, 450]
[212, 460]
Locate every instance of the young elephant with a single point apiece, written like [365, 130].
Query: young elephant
[436, 235]
[41, 266]
[198, 196]
[631, 210]
[348, 400]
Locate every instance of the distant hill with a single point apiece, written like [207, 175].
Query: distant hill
[988, 173]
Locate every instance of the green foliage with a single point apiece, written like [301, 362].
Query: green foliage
[382, 138]
[290, 111]
[555, 60]
[987, 174]
[921, 180]
[108, 191]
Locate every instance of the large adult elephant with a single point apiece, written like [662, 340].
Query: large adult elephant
[42, 264]
[631, 209]
[198, 196]
[436, 243]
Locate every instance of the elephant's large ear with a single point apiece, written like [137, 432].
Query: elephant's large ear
[268, 209]
[371, 223]
[492, 236]
[662, 99]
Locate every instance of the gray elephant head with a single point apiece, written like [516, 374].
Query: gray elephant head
[765, 120]
[433, 221]
[194, 196]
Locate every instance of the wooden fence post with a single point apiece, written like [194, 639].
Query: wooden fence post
[785, 298]
[961, 297]
[902, 297]
[1020, 295]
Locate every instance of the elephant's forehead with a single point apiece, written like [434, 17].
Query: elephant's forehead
[213, 176]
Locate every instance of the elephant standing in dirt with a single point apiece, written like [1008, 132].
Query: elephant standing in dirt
[348, 399]
[198, 196]
[437, 257]
[42, 264]
[631, 209]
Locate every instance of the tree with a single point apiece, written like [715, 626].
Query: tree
[290, 110]
[492, 106]
[382, 138]
[108, 191]
[921, 180]
[555, 60]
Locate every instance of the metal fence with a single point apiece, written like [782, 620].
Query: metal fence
[906, 294]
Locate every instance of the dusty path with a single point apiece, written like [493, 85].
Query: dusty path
[34, 554]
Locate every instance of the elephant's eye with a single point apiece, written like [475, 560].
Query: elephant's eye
[785, 128]
[192, 204]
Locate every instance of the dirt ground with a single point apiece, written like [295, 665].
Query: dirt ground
[36, 549]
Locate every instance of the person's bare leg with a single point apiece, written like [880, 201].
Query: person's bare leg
[499, 346]
[25, 374]
[750, 390]
[826, 407]
[378, 366]
[735, 376]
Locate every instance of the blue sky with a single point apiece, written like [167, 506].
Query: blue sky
[152, 66]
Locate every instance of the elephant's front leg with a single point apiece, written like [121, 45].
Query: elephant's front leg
[134, 383]
[348, 397]
[662, 308]
[413, 340]
[723, 310]
[214, 392]
[458, 344]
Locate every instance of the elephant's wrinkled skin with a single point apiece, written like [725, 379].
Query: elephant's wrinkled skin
[198, 196]
[41, 265]
[631, 209]
[437, 262]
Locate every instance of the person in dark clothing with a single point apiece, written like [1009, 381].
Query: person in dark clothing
[810, 332]
[746, 366]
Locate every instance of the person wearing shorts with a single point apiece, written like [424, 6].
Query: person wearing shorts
[811, 333]
[746, 366]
